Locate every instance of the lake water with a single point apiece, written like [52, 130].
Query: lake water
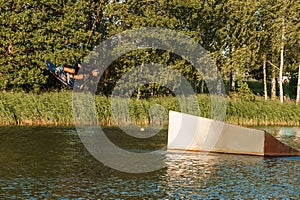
[52, 163]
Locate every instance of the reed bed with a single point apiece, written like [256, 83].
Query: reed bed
[32, 109]
[55, 108]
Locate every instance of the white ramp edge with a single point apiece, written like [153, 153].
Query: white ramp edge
[193, 133]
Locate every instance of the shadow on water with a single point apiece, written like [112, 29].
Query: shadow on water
[52, 163]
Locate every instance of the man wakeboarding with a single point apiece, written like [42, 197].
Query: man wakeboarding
[68, 75]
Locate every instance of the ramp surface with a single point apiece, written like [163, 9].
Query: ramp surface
[193, 133]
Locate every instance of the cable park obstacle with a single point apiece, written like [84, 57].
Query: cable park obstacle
[192, 133]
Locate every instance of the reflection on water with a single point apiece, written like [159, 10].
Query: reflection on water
[227, 176]
[51, 163]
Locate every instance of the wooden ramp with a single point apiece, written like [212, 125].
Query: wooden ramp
[192, 133]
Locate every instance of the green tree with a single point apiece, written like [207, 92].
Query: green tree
[181, 16]
[229, 34]
[33, 31]
[280, 19]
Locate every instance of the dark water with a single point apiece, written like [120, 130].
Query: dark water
[52, 163]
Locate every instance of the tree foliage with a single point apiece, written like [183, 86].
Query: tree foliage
[239, 35]
[33, 31]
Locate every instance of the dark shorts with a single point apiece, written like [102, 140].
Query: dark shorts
[76, 67]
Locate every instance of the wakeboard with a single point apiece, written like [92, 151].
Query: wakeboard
[61, 77]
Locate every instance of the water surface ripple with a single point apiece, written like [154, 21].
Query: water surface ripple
[52, 163]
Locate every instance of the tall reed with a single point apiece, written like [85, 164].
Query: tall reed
[55, 108]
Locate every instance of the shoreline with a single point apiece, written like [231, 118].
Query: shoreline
[245, 124]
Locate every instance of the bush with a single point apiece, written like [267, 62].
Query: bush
[244, 93]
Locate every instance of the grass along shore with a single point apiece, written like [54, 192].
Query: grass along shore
[55, 108]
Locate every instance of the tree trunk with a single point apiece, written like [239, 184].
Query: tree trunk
[273, 83]
[298, 87]
[104, 88]
[202, 87]
[265, 77]
[232, 81]
[282, 57]
[138, 96]
[281, 71]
